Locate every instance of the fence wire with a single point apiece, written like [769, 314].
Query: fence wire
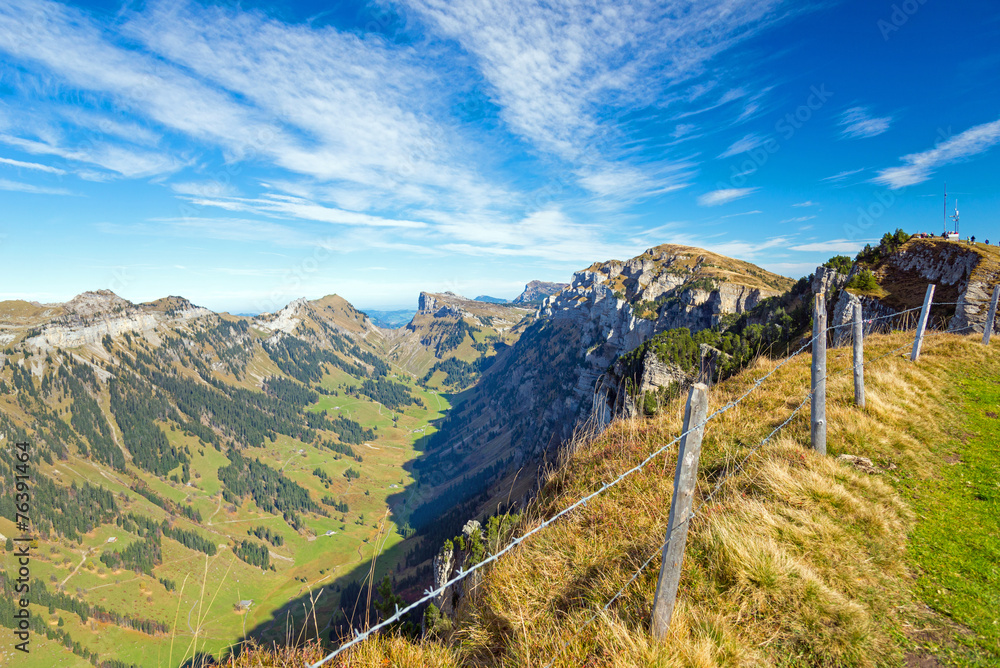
[360, 636]
[740, 468]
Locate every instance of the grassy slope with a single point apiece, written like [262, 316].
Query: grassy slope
[799, 560]
[710, 265]
[303, 562]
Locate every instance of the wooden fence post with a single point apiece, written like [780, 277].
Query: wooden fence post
[817, 402]
[859, 358]
[925, 313]
[991, 316]
[680, 509]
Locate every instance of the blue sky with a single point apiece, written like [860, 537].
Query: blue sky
[243, 154]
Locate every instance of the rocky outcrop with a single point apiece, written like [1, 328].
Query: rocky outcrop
[286, 320]
[536, 291]
[443, 565]
[874, 312]
[973, 306]
[963, 275]
[448, 561]
[556, 380]
[827, 280]
[91, 316]
[654, 374]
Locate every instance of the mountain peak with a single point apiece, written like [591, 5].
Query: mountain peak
[97, 302]
[536, 291]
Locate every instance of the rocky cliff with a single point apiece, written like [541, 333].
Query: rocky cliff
[448, 326]
[550, 382]
[536, 291]
[90, 316]
[963, 275]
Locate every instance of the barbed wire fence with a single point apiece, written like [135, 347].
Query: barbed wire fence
[690, 440]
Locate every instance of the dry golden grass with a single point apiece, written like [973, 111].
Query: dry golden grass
[798, 560]
[709, 264]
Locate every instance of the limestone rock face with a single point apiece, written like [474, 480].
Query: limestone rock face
[973, 307]
[91, 316]
[536, 291]
[286, 320]
[654, 375]
[843, 316]
[444, 563]
[961, 274]
[557, 378]
[826, 280]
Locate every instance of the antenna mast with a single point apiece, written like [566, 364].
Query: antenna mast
[944, 212]
[955, 217]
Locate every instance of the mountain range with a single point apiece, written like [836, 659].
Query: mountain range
[308, 450]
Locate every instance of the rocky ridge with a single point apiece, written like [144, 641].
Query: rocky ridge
[550, 382]
[536, 291]
[90, 316]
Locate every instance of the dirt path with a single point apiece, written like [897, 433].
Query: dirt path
[294, 455]
[209, 520]
[85, 555]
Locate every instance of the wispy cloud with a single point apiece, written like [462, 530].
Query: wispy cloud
[745, 213]
[125, 161]
[833, 246]
[840, 176]
[858, 123]
[31, 165]
[742, 145]
[224, 229]
[212, 188]
[17, 186]
[313, 101]
[303, 209]
[724, 196]
[799, 219]
[918, 167]
[562, 72]
[806, 203]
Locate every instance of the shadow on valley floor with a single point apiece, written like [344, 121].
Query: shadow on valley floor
[336, 606]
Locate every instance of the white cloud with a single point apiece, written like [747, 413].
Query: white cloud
[806, 203]
[742, 145]
[858, 123]
[127, 162]
[320, 103]
[225, 229]
[557, 68]
[798, 219]
[792, 269]
[724, 196]
[17, 186]
[919, 167]
[32, 165]
[745, 213]
[296, 207]
[833, 246]
[207, 189]
[683, 130]
[840, 176]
